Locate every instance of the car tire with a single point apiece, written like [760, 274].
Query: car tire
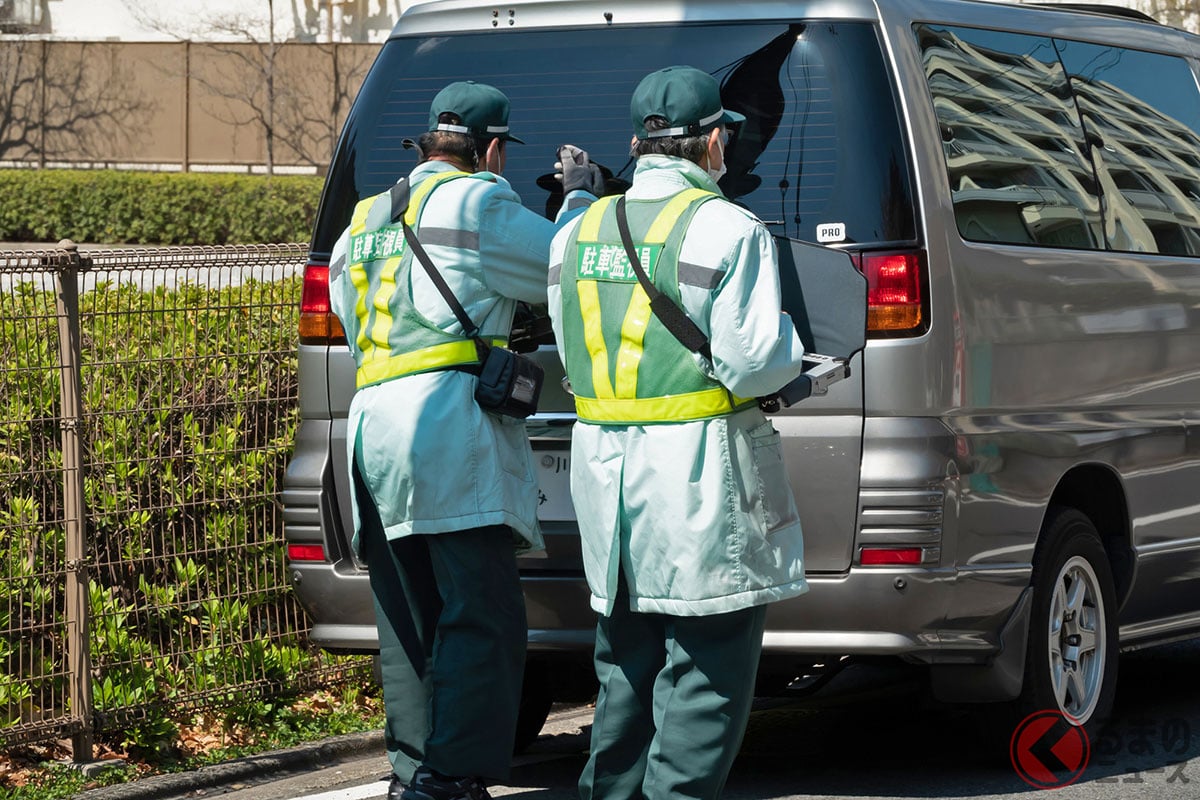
[1071, 657]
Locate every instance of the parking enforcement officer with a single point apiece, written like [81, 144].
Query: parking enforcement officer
[687, 518]
[443, 490]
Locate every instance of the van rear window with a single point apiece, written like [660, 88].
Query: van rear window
[821, 149]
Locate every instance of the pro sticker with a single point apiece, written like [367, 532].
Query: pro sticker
[831, 232]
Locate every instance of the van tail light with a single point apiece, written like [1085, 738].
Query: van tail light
[881, 556]
[894, 281]
[305, 552]
[318, 325]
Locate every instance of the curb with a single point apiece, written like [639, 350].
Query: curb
[274, 765]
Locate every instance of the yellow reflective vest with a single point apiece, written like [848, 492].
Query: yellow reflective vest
[696, 515]
[625, 366]
[432, 460]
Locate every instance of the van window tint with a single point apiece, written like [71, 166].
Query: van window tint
[1012, 138]
[821, 145]
[1142, 115]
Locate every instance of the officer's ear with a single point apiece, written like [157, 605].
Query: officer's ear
[494, 159]
[714, 151]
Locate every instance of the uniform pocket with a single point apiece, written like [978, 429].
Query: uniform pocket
[775, 491]
[512, 446]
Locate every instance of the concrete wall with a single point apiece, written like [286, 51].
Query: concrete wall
[174, 105]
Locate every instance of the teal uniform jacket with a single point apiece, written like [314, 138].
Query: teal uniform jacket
[433, 460]
[698, 516]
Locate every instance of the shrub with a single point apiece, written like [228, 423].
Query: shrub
[122, 207]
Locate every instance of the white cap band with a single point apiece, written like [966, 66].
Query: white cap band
[464, 129]
[685, 131]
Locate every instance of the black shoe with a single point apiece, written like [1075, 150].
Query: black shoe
[395, 788]
[429, 785]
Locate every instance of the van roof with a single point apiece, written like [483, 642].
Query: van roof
[478, 16]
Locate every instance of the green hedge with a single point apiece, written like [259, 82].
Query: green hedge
[121, 207]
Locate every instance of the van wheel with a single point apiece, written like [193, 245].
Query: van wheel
[537, 696]
[1071, 659]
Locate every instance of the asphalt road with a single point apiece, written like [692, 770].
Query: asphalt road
[872, 733]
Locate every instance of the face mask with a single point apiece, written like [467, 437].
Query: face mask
[717, 174]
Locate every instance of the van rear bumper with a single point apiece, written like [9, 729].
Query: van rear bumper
[934, 616]
[340, 638]
[968, 625]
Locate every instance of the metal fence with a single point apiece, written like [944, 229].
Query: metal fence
[147, 404]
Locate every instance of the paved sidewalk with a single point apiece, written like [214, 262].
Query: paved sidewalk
[219, 778]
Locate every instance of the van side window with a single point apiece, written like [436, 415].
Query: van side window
[1012, 138]
[1141, 112]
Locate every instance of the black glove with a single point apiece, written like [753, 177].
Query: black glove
[576, 171]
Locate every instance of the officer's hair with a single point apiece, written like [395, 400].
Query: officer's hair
[690, 147]
[460, 147]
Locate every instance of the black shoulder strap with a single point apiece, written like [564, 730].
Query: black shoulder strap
[399, 195]
[673, 318]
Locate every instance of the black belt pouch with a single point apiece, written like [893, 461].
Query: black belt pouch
[509, 383]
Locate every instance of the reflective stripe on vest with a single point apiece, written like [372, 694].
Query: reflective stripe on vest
[377, 361]
[616, 401]
[439, 356]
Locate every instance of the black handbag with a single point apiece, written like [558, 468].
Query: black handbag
[509, 383]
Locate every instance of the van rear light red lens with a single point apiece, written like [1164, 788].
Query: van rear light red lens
[305, 552]
[878, 556]
[893, 291]
[318, 325]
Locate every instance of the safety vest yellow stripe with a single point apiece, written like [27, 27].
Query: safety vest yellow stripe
[670, 408]
[417, 198]
[589, 226]
[589, 303]
[633, 335]
[373, 340]
[382, 301]
[661, 228]
[358, 276]
[593, 336]
[439, 356]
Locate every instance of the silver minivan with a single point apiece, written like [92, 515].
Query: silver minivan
[1006, 488]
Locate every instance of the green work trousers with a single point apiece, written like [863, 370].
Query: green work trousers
[675, 696]
[452, 631]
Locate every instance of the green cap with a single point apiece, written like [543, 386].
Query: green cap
[688, 98]
[483, 110]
